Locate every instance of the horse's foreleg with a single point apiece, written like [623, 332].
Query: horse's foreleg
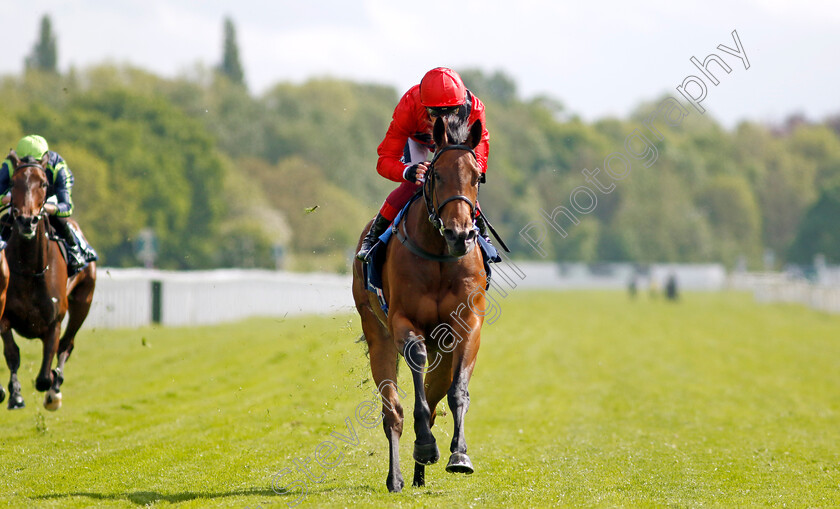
[414, 350]
[383, 366]
[50, 340]
[437, 382]
[47, 380]
[458, 397]
[12, 354]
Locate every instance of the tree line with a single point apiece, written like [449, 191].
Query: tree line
[223, 176]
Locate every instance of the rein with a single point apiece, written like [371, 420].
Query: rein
[434, 212]
[402, 235]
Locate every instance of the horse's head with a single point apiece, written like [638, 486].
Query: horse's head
[29, 193]
[452, 184]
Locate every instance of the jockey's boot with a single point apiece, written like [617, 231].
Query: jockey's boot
[377, 228]
[75, 259]
[482, 227]
[90, 254]
[5, 232]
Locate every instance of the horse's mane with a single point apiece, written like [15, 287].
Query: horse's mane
[457, 128]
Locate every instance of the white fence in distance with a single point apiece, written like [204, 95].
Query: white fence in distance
[124, 297]
[617, 276]
[779, 287]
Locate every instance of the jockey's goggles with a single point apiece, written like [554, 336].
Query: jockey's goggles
[441, 111]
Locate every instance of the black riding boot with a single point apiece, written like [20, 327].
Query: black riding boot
[482, 227]
[5, 232]
[377, 228]
[75, 258]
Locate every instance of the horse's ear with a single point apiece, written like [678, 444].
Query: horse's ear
[439, 133]
[14, 158]
[476, 130]
[45, 160]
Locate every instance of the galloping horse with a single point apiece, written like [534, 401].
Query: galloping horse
[39, 292]
[432, 278]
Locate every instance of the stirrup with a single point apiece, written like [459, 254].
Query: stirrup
[364, 251]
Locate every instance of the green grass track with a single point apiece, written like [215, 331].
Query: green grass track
[578, 399]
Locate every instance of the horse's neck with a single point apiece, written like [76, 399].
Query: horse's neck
[33, 254]
[421, 230]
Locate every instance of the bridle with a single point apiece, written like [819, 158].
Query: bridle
[40, 216]
[434, 211]
[429, 189]
[41, 212]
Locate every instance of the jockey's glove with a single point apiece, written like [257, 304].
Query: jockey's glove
[411, 173]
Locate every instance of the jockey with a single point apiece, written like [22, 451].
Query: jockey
[60, 186]
[408, 142]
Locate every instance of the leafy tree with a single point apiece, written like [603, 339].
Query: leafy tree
[497, 87]
[231, 67]
[222, 176]
[44, 55]
[818, 233]
[732, 212]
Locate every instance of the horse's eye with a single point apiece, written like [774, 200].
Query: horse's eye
[43, 185]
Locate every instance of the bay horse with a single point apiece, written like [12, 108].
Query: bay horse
[39, 292]
[432, 278]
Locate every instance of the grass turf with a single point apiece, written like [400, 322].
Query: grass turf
[579, 398]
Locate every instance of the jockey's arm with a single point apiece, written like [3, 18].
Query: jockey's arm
[6, 182]
[390, 152]
[63, 189]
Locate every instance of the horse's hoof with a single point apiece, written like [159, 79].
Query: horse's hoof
[426, 454]
[459, 463]
[52, 401]
[16, 402]
[395, 485]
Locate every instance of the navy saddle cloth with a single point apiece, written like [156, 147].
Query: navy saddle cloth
[372, 269]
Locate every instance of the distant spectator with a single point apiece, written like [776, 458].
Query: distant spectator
[671, 292]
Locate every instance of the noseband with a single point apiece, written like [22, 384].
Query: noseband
[429, 190]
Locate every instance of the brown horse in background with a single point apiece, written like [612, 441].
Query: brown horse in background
[4, 285]
[432, 279]
[39, 292]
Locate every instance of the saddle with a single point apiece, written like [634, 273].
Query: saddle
[372, 268]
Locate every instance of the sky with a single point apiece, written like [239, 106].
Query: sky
[598, 58]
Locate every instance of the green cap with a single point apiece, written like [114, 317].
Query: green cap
[33, 146]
